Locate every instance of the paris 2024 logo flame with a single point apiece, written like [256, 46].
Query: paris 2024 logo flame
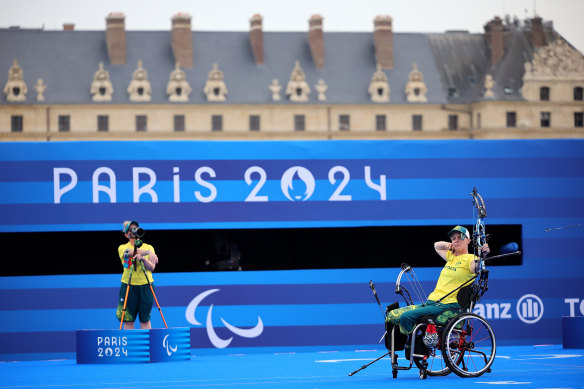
[297, 183]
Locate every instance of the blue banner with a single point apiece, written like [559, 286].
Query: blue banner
[93, 186]
[276, 310]
[90, 186]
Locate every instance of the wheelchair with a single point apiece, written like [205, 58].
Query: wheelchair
[456, 341]
[464, 343]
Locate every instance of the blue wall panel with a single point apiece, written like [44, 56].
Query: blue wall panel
[538, 184]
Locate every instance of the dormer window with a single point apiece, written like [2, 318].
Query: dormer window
[215, 87]
[101, 87]
[379, 87]
[15, 88]
[416, 87]
[297, 88]
[178, 88]
[139, 88]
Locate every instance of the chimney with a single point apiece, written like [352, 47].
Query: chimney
[256, 38]
[115, 36]
[383, 41]
[68, 26]
[494, 34]
[316, 40]
[182, 40]
[537, 35]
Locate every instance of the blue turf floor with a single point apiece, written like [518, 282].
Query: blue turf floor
[523, 366]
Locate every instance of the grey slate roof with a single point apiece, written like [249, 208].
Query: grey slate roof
[67, 61]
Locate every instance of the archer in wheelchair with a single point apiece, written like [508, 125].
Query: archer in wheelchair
[460, 267]
[441, 334]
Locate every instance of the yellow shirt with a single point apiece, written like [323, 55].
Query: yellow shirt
[138, 277]
[454, 274]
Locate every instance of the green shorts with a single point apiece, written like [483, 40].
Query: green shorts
[140, 300]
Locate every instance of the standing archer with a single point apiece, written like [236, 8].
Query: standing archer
[459, 269]
[139, 295]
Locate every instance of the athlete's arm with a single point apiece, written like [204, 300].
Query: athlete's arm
[442, 248]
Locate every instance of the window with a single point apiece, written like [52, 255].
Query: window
[64, 123]
[453, 122]
[417, 122]
[578, 119]
[16, 123]
[299, 123]
[217, 122]
[380, 123]
[344, 123]
[545, 119]
[453, 92]
[544, 93]
[578, 93]
[141, 122]
[254, 122]
[511, 119]
[102, 123]
[179, 122]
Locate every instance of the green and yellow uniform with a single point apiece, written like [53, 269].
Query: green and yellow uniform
[140, 297]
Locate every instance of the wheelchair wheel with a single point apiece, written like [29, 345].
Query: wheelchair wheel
[435, 362]
[468, 345]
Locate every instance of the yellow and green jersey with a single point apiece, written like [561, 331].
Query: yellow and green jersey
[454, 274]
[138, 277]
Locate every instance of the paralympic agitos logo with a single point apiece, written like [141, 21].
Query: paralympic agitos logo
[213, 337]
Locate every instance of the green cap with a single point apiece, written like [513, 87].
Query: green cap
[126, 225]
[463, 232]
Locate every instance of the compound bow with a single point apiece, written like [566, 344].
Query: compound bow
[479, 240]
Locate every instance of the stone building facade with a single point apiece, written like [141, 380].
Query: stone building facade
[520, 79]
